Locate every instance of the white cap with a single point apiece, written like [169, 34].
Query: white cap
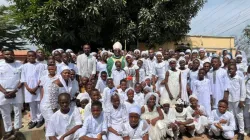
[117, 45]
[188, 51]
[135, 109]
[64, 68]
[69, 51]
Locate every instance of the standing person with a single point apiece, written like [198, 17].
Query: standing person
[40, 56]
[86, 63]
[149, 62]
[159, 72]
[218, 80]
[193, 74]
[101, 83]
[132, 71]
[226, 60]
[172, 90]
[236, 96]
[118, 74]
[117, 47]
[45, 82]
[10, 93]
[102, 64]
[30, 78]
[247, 102]
[203, 57]
[184, 79]
[66, 62]
[202, 89]
[58, 57]
[137, 54]
[142, 71]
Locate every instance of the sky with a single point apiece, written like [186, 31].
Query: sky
[222, 18]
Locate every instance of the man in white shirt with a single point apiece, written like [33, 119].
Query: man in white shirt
[86, 63]
[10, 93]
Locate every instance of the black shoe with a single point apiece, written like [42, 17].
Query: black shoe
[240, 136]
[32, 125]
[39, 124]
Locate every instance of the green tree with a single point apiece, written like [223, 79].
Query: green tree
[70, 23]
[10, 32]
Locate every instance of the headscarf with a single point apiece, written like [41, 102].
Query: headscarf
[188, 51]
[135, 109]
[194, 51]
[152, 94]
[69, 51]
[171, 59]
[103, 52]
[158, 53]
[193, 96]
[68, 87]
[164, 101]
[128, 89]
[83, 96]
[136, 50]
[202, 49]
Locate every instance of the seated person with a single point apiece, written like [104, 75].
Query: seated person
[65, 122]
[95, 126]
[135, 128]
[222, 121]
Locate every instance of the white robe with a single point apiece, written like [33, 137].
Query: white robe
[159, 71]
[118, 76]
[184, 80]
[139, 99]
[100, 85]
[193, 75]
[138, 132]
[31, 74]
[86, 65]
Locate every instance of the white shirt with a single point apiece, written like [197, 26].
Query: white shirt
[216, 116]
[138, 132]
[248, 88]
[237, 89]
[10, 75]
[61, 123]
[118, 76]
[139, 99]
[202, 89]
[86, 65]
[149, 69]
[100, 85]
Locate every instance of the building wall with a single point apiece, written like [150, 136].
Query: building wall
[212, 44]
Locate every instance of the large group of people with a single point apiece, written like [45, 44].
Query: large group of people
[120, 95]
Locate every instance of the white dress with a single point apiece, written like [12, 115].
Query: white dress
[202, 89]
[142, 74]
[159, 71]
[158, 131]
[129, 105]
[184, 79]
[137, 133]
[200, 122]
[100, 85]
[116, 117]
[131, 71]
[100, 67]
[174, 86]
[139, 99]
[193, 75]
[31, 74]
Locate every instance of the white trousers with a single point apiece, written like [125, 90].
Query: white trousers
[225, 134]
[238, 114]
[46, 113]
[6, 115]
[247, 116]
[35, 113]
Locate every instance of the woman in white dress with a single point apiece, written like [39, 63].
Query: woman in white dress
[132, 71]
[172, 90]
[184, 79]
[116, 116]
[151, 112]
[102, 64]
[159, 72]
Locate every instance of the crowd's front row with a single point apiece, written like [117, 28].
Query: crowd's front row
[123, 122]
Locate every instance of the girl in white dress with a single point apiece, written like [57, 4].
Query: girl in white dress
[172, 90]
[159, 72]
[199, 114]
[116, 116]
[135, 129]
[130, 102]
[142, 71]
[151, 112]
[132, 71]
[193, 74]
[184, 79]
[102, 65]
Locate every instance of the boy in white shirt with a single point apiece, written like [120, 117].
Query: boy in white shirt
[101, 83]
[236, 96]
[31, 73]
[118, 74]
[139, 96]
[222, 121]
[95, 125]
[122, 90]
[247, 102]
[64, 123]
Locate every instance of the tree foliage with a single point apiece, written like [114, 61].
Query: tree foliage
[10, 33]
[69, 23]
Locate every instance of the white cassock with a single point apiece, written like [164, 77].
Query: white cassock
[94, 126]
[139, 99]
[202, 89]
[100, 85]
[159, 71]
[61, 123]
[30, 75]
[219, 84]
[237, 93]
[45, 105]
[193, 75]
[135, 133]
[118, 76]
[228, 128]
[247, 102]
[86, 65]
[184, 80]
[200, 122]
[10, 74]
[116, 117]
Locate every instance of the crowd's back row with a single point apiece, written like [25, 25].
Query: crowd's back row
[127, 95]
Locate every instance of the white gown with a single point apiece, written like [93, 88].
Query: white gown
[184, 79]
[137, 133]
[159, 71]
